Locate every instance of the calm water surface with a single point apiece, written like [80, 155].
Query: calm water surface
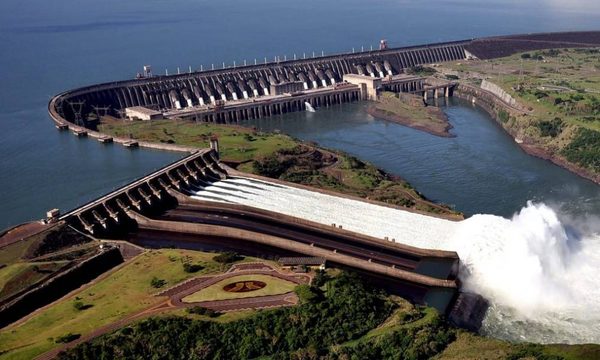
[51, 46]
[481, 170]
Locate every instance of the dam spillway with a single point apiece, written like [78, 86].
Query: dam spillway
[168, 203]
[358, 216]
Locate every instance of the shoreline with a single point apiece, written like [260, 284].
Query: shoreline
[488, 102]
[408, 122]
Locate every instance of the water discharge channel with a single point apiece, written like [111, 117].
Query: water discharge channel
[536, 261]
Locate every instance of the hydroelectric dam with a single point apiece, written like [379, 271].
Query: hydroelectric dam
[199, 199]
[235, 93]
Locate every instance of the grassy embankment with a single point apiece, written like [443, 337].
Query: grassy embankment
[25, 263]
[406, 329]
[561, 91]
[411, 111]
[125, 291]
[282, 157]
[348, 319]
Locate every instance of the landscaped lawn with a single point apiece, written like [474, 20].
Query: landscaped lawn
[275, 286]
[125, 291]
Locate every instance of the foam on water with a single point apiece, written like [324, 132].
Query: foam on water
[542, 277]
[540, 272]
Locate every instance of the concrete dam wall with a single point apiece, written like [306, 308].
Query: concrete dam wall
[314, 80]
[247, 82]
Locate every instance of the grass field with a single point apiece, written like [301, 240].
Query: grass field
[236, 143]
[275, 286]
[125, 291]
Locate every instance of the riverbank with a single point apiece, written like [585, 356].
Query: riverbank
[547, 101]
[279, 156]
[410, 110]
[495, 107]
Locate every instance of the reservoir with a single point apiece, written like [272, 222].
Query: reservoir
[48, 48]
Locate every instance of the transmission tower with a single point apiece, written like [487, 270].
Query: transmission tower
[77, 107]
[101, 111]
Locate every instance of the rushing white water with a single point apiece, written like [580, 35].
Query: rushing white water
[542, 277]
[541, 274]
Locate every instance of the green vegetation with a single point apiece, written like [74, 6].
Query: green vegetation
[80, 305]
[199, 310]
[191, 268]
[551, 128]
[228, 257]
[503, 116]
[350, 311]
[67, 338]
[236, 143]
[56, 239]
[158, 283]
[584, 149]
[26, 263]
[18, 277]
[275, 286]
[349, 320]
[421, 70]
[124, 291]
[560, 91]
[306, 293]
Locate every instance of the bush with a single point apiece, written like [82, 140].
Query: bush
[421, 70]
[320, 278]
[584, 149]
[503, 116]
[192, 268]
[526, 56]
[306, 293]
[67, 338]
[227, 257]
[550, 128]
[157, 283]
[271, 166]
[79, 305]
[199, 310]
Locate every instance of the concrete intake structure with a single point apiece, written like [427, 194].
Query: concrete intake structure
[255, 91]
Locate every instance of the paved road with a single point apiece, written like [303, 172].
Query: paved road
[322, 239]
[179, 291]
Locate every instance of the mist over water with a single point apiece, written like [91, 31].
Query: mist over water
[540, 271]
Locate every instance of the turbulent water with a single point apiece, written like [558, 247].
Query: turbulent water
[540, 274]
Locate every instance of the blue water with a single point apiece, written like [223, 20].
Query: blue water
[50, 46]
[481, 170]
